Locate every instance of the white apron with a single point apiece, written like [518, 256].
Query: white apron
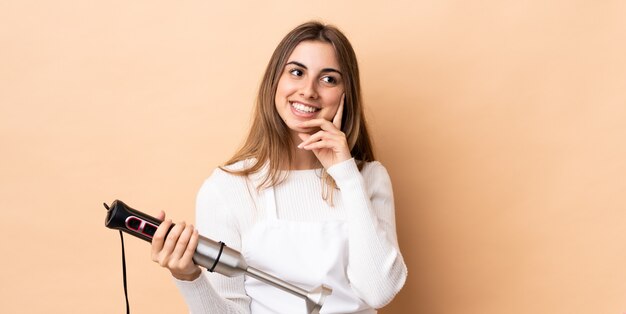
[306, 254]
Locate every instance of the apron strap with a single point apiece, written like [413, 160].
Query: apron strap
[270, 203]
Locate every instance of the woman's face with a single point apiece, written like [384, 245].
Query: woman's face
[310, 86]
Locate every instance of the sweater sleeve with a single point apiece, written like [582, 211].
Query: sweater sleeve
[376, 269]
[212, 292]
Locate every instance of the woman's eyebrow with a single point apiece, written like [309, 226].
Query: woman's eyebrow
[324, 70]
[298, 64]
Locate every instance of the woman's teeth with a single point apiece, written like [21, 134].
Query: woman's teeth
[303, 108]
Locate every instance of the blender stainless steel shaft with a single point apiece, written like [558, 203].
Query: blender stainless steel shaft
[226, 261]
[212, 255]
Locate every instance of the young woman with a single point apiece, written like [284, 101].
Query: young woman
[303, 199]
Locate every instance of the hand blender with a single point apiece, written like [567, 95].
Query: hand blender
[212, 255]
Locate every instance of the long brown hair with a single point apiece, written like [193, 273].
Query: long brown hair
[268, 140]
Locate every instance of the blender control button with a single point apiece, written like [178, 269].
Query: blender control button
[149, 229]
[133, 223]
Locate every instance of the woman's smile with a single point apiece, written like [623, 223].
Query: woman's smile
[304, 110]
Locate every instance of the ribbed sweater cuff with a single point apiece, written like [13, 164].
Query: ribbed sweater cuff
[195, 290]
[345, 173]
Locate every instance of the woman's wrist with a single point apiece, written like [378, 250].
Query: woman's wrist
[188, 277]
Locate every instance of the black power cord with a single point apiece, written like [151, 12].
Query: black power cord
[124, 274]
[123, 267]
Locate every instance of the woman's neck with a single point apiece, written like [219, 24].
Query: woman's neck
[303, 159]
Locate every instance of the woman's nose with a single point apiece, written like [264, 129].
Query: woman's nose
[309, 89]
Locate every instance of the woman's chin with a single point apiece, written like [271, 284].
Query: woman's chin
[300, 130]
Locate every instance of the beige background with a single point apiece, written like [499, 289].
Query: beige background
[501, 124]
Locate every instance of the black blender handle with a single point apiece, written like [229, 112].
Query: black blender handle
[122, 217]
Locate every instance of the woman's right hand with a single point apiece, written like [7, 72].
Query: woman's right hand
[175, 252]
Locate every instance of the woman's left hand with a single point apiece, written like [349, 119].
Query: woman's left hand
[329, 144]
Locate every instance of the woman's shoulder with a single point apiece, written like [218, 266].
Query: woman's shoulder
[373, 168]
[234, 173]
[224, 179]
[376, 175]
[229, 172]
[236, 166]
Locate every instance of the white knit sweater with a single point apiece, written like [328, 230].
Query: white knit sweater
[226, 209]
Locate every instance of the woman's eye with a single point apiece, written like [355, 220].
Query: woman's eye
[296, 72]
[329, 80]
